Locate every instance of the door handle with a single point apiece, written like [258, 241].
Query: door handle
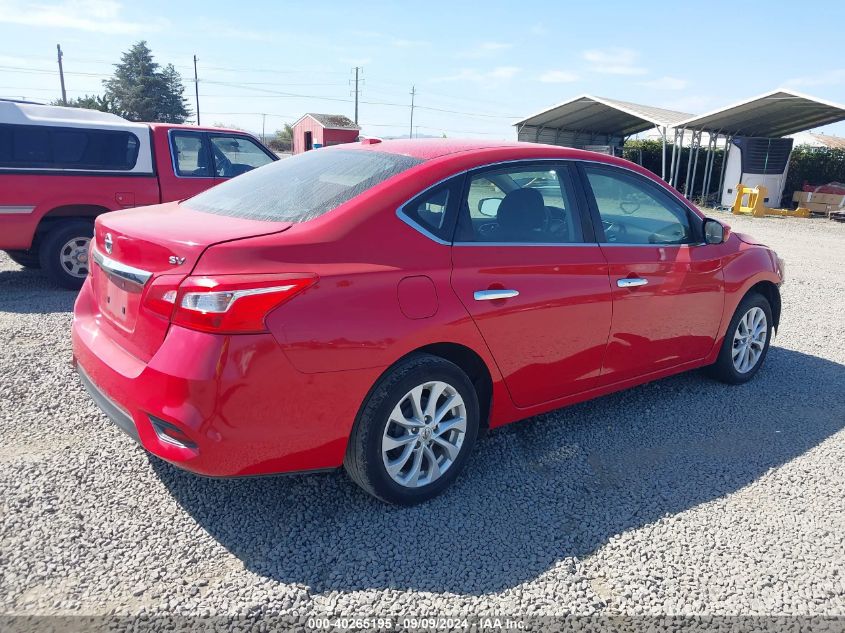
[491, 295]
[631, 282]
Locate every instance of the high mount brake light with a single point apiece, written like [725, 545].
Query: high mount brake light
[228, 304]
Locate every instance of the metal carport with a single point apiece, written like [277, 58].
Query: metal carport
[771, 115]
[588, 120]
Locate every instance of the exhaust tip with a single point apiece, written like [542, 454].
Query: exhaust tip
[170, 433]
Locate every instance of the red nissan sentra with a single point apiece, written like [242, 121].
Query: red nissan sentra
[380, 305]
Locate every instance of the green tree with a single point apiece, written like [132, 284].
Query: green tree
[89, 102]
[282, 140]
[142, 92]
[173, 105]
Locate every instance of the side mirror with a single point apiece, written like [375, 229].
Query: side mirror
[714, 231]
[489, 206]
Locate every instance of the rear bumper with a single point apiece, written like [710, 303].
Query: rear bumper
[244, 409]
[121, 418]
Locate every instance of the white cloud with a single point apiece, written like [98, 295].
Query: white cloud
[558, 77]
[498, 74]
[403, 43]
[539, 29]
[666, 83]
[614, 61]
[99, 16]
[832, 77]
[485, 49]
[503, 72]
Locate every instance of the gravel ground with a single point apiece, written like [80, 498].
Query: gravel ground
[683, 496]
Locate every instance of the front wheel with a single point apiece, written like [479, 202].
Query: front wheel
[746, 341]
[415, 432]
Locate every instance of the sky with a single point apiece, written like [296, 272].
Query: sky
[476, 67]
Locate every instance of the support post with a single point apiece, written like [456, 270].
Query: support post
[413, 94]
[61, 74]
[692, 146]
[357, 69]
[197, 89]
[728, 143]
[674, 149]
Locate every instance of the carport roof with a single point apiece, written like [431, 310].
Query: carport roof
[773, 114]
[601, 115]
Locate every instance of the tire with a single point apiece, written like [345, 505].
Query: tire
[725, 368]
[27, 259]
[375, 427]
[54, 254]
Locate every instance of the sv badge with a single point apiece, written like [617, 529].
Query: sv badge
[176, 261]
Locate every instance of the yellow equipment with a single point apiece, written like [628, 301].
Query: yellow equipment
[755, 206]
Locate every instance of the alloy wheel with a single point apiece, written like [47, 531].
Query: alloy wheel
[749, 340]
[424, 434]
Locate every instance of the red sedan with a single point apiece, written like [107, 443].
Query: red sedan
[380, 305]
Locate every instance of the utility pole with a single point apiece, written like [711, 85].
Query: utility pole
[197, 89]
[357, 70]
[413, 94]
[61, 74]
[263, 137]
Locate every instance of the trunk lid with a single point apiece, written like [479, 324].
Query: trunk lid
[137, 248]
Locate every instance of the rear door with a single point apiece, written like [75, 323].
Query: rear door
[667, 286]
[192, 165]
[527, 268]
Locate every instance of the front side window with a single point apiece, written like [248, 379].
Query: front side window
[190, 155]
[635, 211]
[234, 155]
[302, 187]
[519, 205]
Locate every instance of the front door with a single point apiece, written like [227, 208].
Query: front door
[536, 285]
[667, 286]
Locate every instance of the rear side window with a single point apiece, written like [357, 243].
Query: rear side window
[41, 147]
[302, 187]
[429, 211]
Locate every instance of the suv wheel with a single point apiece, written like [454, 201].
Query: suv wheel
[415, 431]
[64, 253]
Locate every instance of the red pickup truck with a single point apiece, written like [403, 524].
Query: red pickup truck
[61, 167]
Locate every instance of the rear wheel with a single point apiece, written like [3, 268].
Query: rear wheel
[27, 259]
[414, 433]
[64, 253]
[746, 341]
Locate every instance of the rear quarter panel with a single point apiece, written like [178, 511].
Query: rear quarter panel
[47, 192]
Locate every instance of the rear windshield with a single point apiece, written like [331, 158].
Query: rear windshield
[302, 187]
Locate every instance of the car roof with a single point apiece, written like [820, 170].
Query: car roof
[430, 148]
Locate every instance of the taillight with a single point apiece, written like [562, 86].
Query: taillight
[232, 303]
[160, 295]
